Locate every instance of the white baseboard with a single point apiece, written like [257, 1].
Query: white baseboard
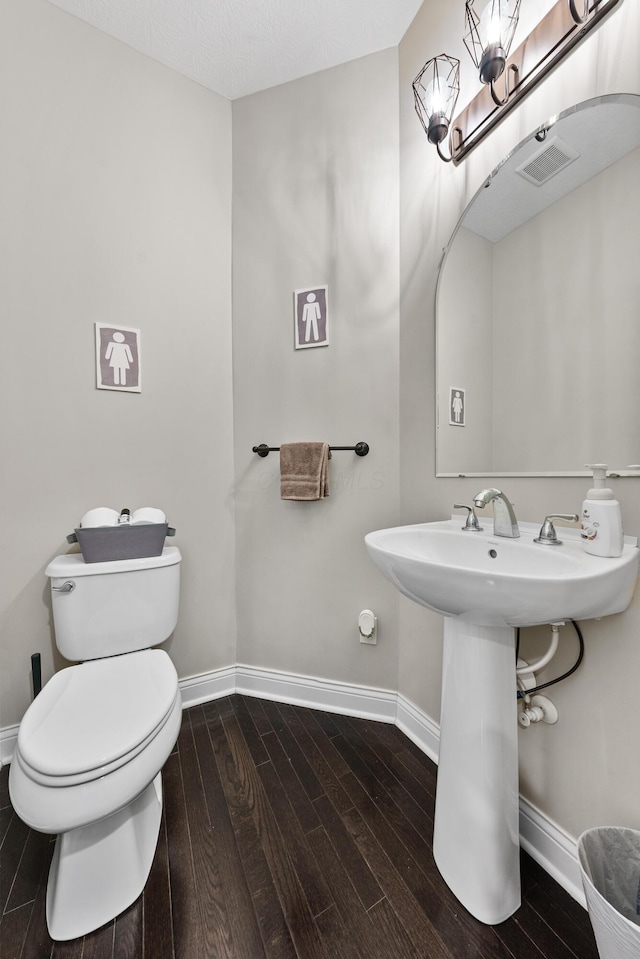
[419, 727]
[8, 740]
[208, 686]
[551, 847]
[329, 696]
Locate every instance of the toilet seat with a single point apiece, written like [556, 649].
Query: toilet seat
[90, 719]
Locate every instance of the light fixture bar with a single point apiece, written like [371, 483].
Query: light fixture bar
[549, 42]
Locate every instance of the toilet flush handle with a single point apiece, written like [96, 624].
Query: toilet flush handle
[67, 587]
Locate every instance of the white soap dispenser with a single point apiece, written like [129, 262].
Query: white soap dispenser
[601, 517]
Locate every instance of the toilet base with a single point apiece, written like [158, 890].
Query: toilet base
[98, 870]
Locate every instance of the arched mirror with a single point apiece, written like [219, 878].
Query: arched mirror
[538, 305]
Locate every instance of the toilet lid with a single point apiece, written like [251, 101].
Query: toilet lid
[88, 717]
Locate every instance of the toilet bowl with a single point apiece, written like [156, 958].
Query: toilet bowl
[92, 782]
[91, 745]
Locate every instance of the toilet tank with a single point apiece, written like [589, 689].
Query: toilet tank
[115, 607]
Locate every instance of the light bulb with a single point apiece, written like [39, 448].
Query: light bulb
[494, 23]
[436, 96]
[494, 31]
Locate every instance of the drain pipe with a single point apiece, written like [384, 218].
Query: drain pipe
[36, 674]
[548, 656]
[537, 708]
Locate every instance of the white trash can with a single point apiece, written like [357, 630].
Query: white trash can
[610, 867]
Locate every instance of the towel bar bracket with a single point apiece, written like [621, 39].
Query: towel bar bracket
[360, 449]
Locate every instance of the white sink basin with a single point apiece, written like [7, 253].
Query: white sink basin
[490, 579]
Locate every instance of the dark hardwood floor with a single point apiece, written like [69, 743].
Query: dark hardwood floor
[289, 833]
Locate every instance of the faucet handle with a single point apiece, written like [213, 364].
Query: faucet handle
[471, 525]
[548, 535]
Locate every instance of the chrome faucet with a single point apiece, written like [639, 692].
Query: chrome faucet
[504, 518]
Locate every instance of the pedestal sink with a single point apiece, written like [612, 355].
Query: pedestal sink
[485, 586]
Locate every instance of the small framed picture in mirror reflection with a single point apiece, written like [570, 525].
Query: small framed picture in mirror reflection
[457, 406]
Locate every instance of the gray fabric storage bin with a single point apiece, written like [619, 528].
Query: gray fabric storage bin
[609, 859]
[103, 544]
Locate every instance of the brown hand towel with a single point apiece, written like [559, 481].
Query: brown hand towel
[303, 471]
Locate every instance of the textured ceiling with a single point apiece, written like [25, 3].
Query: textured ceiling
[236, 47]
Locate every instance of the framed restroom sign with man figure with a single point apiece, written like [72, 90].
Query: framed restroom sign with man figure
[311, 317]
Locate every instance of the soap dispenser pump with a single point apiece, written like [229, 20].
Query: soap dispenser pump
[601, 517]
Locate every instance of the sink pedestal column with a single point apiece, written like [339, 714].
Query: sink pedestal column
[476, 842]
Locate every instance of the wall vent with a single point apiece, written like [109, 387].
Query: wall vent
[552, 157]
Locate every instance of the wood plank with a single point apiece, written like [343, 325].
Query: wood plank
[357, 869]
[323, 742]
[319, 764]
[12, 848]
[545, 938]
[565, 916]
[325, 722]
[28, 874]
[387, 769]
[239, 788]
[315, 888]
[425, 775]
[295, 907]
[296, 793]
[389, 931]
[156, 903]
[251, 734]
[212, 908]
[38, 944]
[377, 931]
[99, 944]
[188, 936]
[412, 825]
[257, 713]
[338, 939]
[243, 925]
[294, 754]
[392, 877]
[70, 949]
[127, 939]
[13, 929]
[4, 787]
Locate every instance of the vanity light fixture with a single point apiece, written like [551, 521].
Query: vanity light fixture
[488, 39]
[435, 91]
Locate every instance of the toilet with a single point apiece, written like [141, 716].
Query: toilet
[91, 745]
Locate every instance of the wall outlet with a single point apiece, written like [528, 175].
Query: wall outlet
[368, 627]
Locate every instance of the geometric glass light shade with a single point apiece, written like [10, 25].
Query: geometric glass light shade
[488, 36]
[435, 92]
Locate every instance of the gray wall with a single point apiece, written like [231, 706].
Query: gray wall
[581, 772]
[115, 203]
[315, 201]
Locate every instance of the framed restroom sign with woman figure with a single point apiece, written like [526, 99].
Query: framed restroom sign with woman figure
[311, 317]
[118, 358]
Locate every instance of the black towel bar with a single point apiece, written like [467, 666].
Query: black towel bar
[360, 449]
